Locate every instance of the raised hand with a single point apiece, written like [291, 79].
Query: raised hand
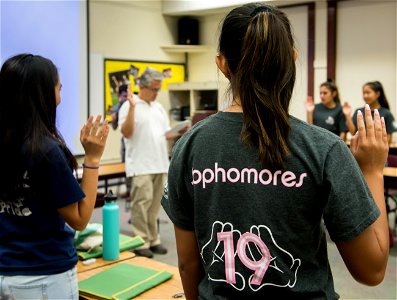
[93, 138]
[310, 104]
[347, 109]
[369, 145]
[130, 97]
[184, 129]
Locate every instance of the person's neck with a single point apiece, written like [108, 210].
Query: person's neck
[374, 106]
[142, 97]
[330, 105]
[235, 106]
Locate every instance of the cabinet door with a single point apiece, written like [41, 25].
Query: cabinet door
[179, 105]
[205, 100]
[190, 99]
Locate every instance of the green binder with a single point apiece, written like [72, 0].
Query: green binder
[122, 282]
[126, 243]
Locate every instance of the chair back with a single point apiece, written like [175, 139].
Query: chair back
[392, 160]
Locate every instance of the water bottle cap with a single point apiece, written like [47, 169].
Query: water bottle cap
[110, 197]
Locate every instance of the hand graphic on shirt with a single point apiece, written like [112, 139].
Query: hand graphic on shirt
[213, 254]
[255, 253]
[283, 266]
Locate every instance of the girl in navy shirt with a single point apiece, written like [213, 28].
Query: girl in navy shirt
[41, 202]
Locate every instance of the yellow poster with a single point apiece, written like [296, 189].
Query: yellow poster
[119, 73]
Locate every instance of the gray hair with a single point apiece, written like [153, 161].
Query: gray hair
[149, 75]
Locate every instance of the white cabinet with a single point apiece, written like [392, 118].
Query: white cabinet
[188, 99]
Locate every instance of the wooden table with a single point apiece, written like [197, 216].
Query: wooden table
[100, 262]
[390, 172]
[106, 172]
[165, 290]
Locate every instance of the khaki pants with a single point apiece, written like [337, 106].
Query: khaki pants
[145, 206]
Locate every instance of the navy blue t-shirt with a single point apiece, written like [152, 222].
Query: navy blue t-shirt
[34, 238]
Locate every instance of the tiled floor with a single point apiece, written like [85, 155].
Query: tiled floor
[345, 285]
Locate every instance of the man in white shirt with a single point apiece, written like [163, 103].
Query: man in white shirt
[145, 127]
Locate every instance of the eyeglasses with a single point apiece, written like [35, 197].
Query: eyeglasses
[154, 90]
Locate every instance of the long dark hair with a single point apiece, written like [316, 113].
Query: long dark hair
[333, 88]
[257, 43]
[27, 114]
[378, 87]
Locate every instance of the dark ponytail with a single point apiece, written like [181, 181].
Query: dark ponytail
[257, 43]
[27, 86]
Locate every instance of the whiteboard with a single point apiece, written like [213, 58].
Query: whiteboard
[56, 30]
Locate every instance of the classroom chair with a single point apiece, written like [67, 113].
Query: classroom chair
[391, 194]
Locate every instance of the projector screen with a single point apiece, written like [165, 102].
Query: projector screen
[56, 30]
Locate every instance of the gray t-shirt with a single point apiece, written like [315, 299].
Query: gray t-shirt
[259, 231]
[331, 119]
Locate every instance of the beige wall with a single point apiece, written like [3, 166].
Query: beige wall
[127, 30]
[203, 68]
[366, 47]
[320, 51]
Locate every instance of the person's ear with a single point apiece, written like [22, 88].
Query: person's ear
[295, 54]
[222, 64]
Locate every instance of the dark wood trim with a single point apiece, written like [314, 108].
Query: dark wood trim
[88, 57]
[311, 28]
[311, 48]
[296, 5]
[331, 39]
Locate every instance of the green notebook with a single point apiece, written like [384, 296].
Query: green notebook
[126, 243]
[122, 282]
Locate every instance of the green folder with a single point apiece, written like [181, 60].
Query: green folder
[122, 282]
[126, 243]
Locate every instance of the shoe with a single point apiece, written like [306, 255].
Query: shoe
[159, 249]
[124, 195]
[144, 252]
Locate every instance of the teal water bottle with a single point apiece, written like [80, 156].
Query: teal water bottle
[111, 228]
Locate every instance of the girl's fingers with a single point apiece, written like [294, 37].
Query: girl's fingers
[101, 130]
[354, 143]
[384, 133]
[369, 123]
[98, 134]
[85, 131]
[378, 125]
[361, 126]
[96, 124]
[105, 130]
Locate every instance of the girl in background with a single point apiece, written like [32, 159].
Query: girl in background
[374, 96]
[327, 114]
[41, 202]
[248, 187]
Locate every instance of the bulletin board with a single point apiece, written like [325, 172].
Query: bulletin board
[127, 72]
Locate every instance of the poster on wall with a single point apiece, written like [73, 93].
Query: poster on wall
[121, 73]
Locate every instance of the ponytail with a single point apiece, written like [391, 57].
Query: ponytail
[263, 79]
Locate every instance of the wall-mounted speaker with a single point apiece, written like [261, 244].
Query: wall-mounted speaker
[188, 31]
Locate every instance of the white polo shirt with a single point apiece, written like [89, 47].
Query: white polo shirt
[146, 152]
